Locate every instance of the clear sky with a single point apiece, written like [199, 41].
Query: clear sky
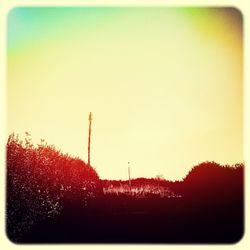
[164, 85]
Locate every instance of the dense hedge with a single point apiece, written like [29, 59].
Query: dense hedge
[41, 180]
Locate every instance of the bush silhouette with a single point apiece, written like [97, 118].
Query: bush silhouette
[40, 181]
[53, 197]
[213, 181]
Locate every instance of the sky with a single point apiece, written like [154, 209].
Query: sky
[165, 85]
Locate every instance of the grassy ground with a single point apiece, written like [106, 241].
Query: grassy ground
[125, 219]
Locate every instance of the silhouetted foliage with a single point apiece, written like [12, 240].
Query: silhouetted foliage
[213, 181]
[55, 198]
[41, 181]
[210, 210]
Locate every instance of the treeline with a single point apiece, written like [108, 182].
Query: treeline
[212, 181]
[208, 179]
[41, 181]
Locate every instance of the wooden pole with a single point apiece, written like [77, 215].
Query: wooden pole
[129, 181]
[89, 140]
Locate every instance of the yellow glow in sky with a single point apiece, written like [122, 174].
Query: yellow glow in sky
[164, 85]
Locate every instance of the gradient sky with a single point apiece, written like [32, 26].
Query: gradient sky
[164, 85]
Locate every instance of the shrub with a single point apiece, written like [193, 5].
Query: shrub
[40, 180]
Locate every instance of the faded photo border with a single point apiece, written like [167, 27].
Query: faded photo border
[7, 5]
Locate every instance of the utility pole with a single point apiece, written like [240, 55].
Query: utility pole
[89, 140]
[129, 181]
